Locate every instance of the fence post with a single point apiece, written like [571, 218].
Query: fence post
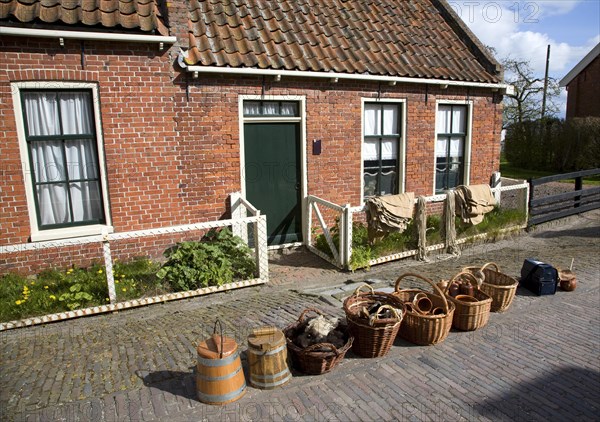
[238, 211]
[260, 237]
[578, 187]
[496, 182]
[346, 237]
[110, 277]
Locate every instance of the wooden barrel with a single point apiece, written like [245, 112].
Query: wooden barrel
[267, 358]
[219, 375]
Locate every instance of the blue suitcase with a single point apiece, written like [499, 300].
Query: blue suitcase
[539, 277]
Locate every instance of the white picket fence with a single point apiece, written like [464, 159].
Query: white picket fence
[344, 214]
[238, 224]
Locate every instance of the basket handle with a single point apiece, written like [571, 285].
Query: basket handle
[320, 346]
[490, 264]
[375, 316]
[303, 314]
[359, 288]
[461, 274]
[436, 289]
[218, 321]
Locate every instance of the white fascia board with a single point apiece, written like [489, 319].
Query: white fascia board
[334, 75]
[80, 35]
[580, 66]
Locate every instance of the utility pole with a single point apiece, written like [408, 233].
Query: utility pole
[546, 82]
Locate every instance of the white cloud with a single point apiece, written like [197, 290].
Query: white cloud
[510, 28]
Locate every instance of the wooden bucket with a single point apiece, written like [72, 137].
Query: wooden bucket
[267, 358]
[219, 375]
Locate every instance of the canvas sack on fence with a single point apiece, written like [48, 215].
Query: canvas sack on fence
[473, 202]
[390, 213]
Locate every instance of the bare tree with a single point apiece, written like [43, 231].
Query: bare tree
[526, 102]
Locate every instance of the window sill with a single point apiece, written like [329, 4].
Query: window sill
[67, 233]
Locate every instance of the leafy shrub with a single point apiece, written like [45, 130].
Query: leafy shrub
[218, 259]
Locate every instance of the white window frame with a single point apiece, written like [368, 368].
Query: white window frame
[468, 137]
[401, 148]
[301, 100]
[38, 235]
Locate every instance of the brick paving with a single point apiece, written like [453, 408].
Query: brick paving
[538, 361]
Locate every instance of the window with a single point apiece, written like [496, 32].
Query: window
[271, 109]
[62, 148]
[450, 146]
[380, 148]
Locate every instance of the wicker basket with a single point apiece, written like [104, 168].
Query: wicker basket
[373, 337]
[421, 329]
[470, 315]
[318, 358]
[499, 286]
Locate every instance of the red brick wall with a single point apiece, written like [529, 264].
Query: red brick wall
[172, 142]
[583, 98]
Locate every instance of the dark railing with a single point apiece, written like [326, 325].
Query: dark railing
[551, 207]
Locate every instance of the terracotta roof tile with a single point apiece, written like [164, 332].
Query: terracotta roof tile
[141, 15]
[415, 38]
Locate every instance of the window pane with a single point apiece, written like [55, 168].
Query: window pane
[76, 113]
[82, 162]
[390, 120]
[53, 203]
[389, 149]
[456, 146]
[371, 149]
[270, 108]
[42, 113]
[86, 201]
[289, 109]
[251, 108]
[444, 119]
[459, 119]
[47, 157]
[372, 119]
[441, 146]
[370, 184]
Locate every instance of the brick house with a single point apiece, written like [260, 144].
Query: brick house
[137, 114]
[583, 86]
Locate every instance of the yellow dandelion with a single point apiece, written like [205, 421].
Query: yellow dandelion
[116, 281]
[107, 299]
[122, 275]
[32, 283]
[52, 297]
[46, 287]
[124, 289]
[18, 302]
[99, 271]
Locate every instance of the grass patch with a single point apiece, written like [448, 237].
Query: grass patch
[363, 252]
[53, 291]
[513, 172]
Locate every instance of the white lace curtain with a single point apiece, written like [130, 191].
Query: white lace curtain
[66, 171]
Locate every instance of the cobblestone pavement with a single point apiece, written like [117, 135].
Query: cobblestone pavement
[540, 360]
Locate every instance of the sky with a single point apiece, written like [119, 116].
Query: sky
[524, 29]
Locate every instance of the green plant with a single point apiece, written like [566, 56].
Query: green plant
[219, 258]
[361, 258]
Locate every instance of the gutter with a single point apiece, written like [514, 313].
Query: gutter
[334, 77]
[79, 35]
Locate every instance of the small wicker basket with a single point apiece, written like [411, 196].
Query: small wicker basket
[417, 328]
[318, 358]
[499, 286]
[470, 315]
[373, 337]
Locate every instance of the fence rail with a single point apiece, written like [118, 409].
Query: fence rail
[552, 207]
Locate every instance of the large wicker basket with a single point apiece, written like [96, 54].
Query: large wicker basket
[499, 286]
[423, 329]
[373, 337]
[318, 358]
[470, 315]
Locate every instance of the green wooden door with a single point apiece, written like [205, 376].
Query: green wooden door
[272, 177]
